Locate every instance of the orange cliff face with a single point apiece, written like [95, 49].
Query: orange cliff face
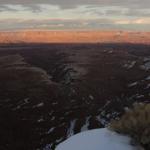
[74, 37]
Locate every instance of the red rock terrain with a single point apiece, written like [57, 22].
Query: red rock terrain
[75, 37]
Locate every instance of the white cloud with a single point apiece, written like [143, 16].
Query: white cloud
[74, 3]
[133, 21]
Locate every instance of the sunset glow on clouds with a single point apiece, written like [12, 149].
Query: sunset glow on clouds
[75, 14]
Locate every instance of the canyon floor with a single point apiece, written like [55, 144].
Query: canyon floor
[51, 91]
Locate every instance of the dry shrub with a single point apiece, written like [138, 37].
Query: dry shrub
[135, 123]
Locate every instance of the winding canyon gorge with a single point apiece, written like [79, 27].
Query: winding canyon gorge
[54, 84]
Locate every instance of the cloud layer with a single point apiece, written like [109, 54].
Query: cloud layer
[96, 14]
[74, 3]
[69, 24]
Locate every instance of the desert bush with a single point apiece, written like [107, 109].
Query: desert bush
[135, 123]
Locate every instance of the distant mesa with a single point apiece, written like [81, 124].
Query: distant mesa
[74, 37]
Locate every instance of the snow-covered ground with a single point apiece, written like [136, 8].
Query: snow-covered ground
[97, 139]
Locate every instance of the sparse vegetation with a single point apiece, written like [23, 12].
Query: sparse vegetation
[136, 123]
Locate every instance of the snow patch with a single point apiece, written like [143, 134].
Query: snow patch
[101, 120]
[47, 147]
[51, 130]
[91, 97]
[39, 105]
[132, 84]
[59, 140]
[70, 131]
[53, 118]
[139, 96]
[41, 119]
[97, 139]
[146, 59]
[146, 66]
[148, 78]
[86, 125]
[55, 103]
[129, 64]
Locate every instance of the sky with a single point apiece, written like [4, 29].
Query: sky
[75, 14]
